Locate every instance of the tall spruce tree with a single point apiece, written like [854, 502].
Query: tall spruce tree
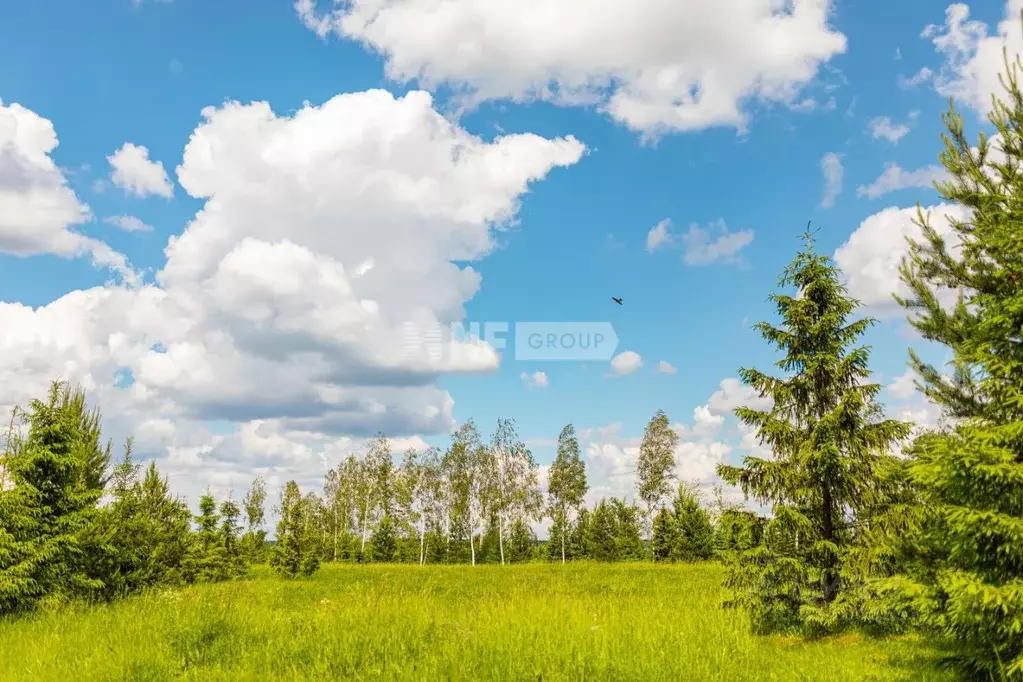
[971, 475]
[828, 442]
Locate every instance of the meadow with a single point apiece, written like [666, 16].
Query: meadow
[582, 621]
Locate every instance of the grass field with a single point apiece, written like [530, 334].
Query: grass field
[531, 622]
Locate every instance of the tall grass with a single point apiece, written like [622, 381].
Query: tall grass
[533, 622]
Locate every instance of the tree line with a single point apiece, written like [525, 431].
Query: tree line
[869, 528]
[76, 525]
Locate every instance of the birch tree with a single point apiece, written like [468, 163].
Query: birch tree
[656, 469]
[374, 485]
[566, 483]
[465, 463]
[340, 498]
[431, 491]
[408, 496]
[516, 494]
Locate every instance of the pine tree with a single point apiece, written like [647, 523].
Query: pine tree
[656, 469]
[971, 475]
[566, 486]
[828, 444]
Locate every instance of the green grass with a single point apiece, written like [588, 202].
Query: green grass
[533, 622]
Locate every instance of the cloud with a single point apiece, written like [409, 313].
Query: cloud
[831, 166]
[665, 367]
[534, 380]
[658, 236]
[870, 258]
[895, 178]
[38, 210]
[136, 174]
[657, 67]
[882, 127]
[128, 223]
[972, 58]
[701, 248]
[917, 79]
[903, 387]
[626, 362]
[277, 319]
[732, 393]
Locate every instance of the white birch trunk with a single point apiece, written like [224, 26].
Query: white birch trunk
[365, 515]
[564, 529]
[422, 543]
[500, 535]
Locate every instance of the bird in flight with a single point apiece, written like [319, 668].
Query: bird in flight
[616, 300]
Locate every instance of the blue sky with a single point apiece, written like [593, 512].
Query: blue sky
[119, 71]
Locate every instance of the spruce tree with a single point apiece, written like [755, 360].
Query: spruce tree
[663, 536]
[165, 529]
[293, 552]
[206, 560]
[829, 443]
[970, 542]
[692, 534]
[55, 478]
[234, 559]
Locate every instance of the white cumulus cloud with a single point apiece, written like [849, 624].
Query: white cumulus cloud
[38, 210]
[870, 258]
[653, 65]
[135, 173]
[973, 55]
[279, 313]
[626, 362]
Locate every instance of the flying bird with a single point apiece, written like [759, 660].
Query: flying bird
[616, 300]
